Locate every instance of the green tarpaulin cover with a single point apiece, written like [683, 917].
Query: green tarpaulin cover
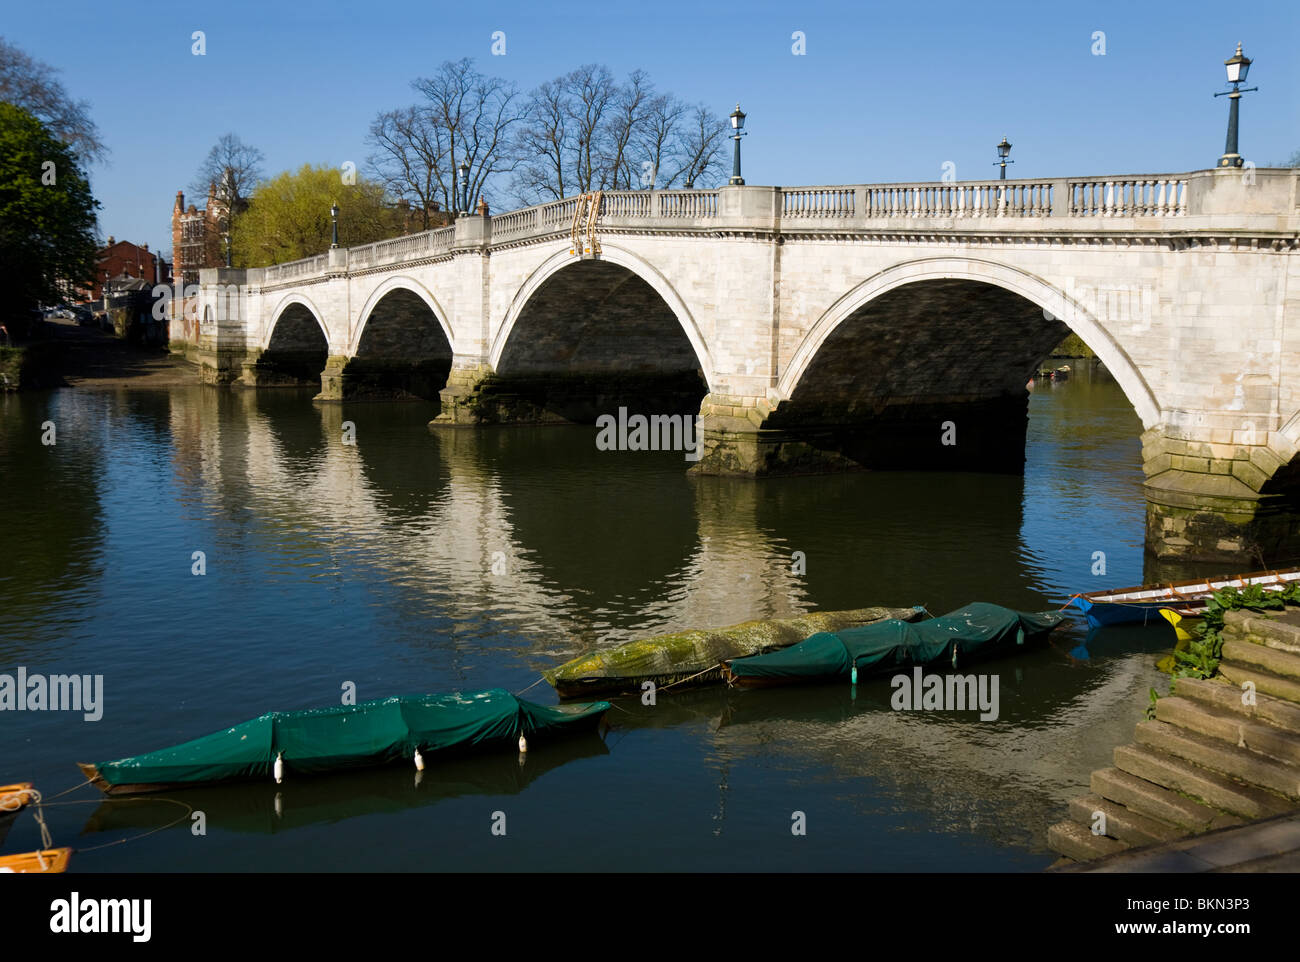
[976, 630]
[351, 736]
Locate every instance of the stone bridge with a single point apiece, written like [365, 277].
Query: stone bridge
[816, 328]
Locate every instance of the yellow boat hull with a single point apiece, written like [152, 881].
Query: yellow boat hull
[50, 860]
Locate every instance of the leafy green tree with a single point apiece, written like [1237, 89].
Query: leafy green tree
[288, 216]
[47, 218]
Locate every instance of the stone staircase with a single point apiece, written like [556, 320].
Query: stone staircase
[1208, 760]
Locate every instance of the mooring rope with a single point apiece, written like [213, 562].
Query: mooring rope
[540, 679]
[682, 681]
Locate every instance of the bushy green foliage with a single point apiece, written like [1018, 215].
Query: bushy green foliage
[47, 218]
[288, 216]
[1201, 659]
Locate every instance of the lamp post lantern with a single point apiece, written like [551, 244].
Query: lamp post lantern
[334, 216]
[464, 186]
[1237, 66]
[738, 125]
[1004, 151]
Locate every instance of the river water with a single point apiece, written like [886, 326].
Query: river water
[415, 561]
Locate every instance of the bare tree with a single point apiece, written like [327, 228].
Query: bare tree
[590, 92]
[411, 157]
[627, 119]
[545, 146]
[234, 167]
[699, 151]
[31, 85]
[475, 114]
[660, 134]
[584, 131]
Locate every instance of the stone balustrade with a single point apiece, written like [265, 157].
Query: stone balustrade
[1016, 205]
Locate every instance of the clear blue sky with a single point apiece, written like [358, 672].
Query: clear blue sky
[885, 92]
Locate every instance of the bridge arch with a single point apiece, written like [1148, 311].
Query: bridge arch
[1032, 288]
[400, 347]
[398, 282]
[278, 314]
[611, 254]
[294, 348]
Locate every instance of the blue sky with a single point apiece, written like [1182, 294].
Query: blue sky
[885, 92]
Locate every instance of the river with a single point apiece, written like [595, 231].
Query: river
[417, 561]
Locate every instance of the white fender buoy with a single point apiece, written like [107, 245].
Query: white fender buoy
[278, 768]
[419, 761]
[523, 743]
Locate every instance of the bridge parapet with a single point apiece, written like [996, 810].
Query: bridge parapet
[1257, 199]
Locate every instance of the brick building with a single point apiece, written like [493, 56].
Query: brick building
[123, 260]
[197, 236]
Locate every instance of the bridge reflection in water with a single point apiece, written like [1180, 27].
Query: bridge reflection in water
[373, 563]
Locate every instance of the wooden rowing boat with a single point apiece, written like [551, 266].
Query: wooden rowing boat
[1141, 604]
[48, 860]
[14, 798]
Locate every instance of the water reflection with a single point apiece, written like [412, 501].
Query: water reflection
[423, 561]
[267, 808]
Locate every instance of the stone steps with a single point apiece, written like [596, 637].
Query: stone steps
[1264, 629]
[1260, 657]
[1214, 755]
[1121, 823]
[1221, 694]
[1155, 801]
[1287, 689]
[1231, 728]
[1075, 841]
[1207, 787]
[1210, 753]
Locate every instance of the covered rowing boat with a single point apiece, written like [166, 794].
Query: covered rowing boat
[1141, 604]
[974, 632]
[386, 730]
[696, 657]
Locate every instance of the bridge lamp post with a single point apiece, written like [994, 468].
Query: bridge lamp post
[1004, 151]
[464, 187]
[334, 216]
[738, 125]
[1237, 66]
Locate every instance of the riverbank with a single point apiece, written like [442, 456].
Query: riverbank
[88, 358]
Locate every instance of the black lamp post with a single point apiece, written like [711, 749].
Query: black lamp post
[464, 186]
[226, 235]
[334, 216]
[1004, 151]
[738, 125]
[1237, 66]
